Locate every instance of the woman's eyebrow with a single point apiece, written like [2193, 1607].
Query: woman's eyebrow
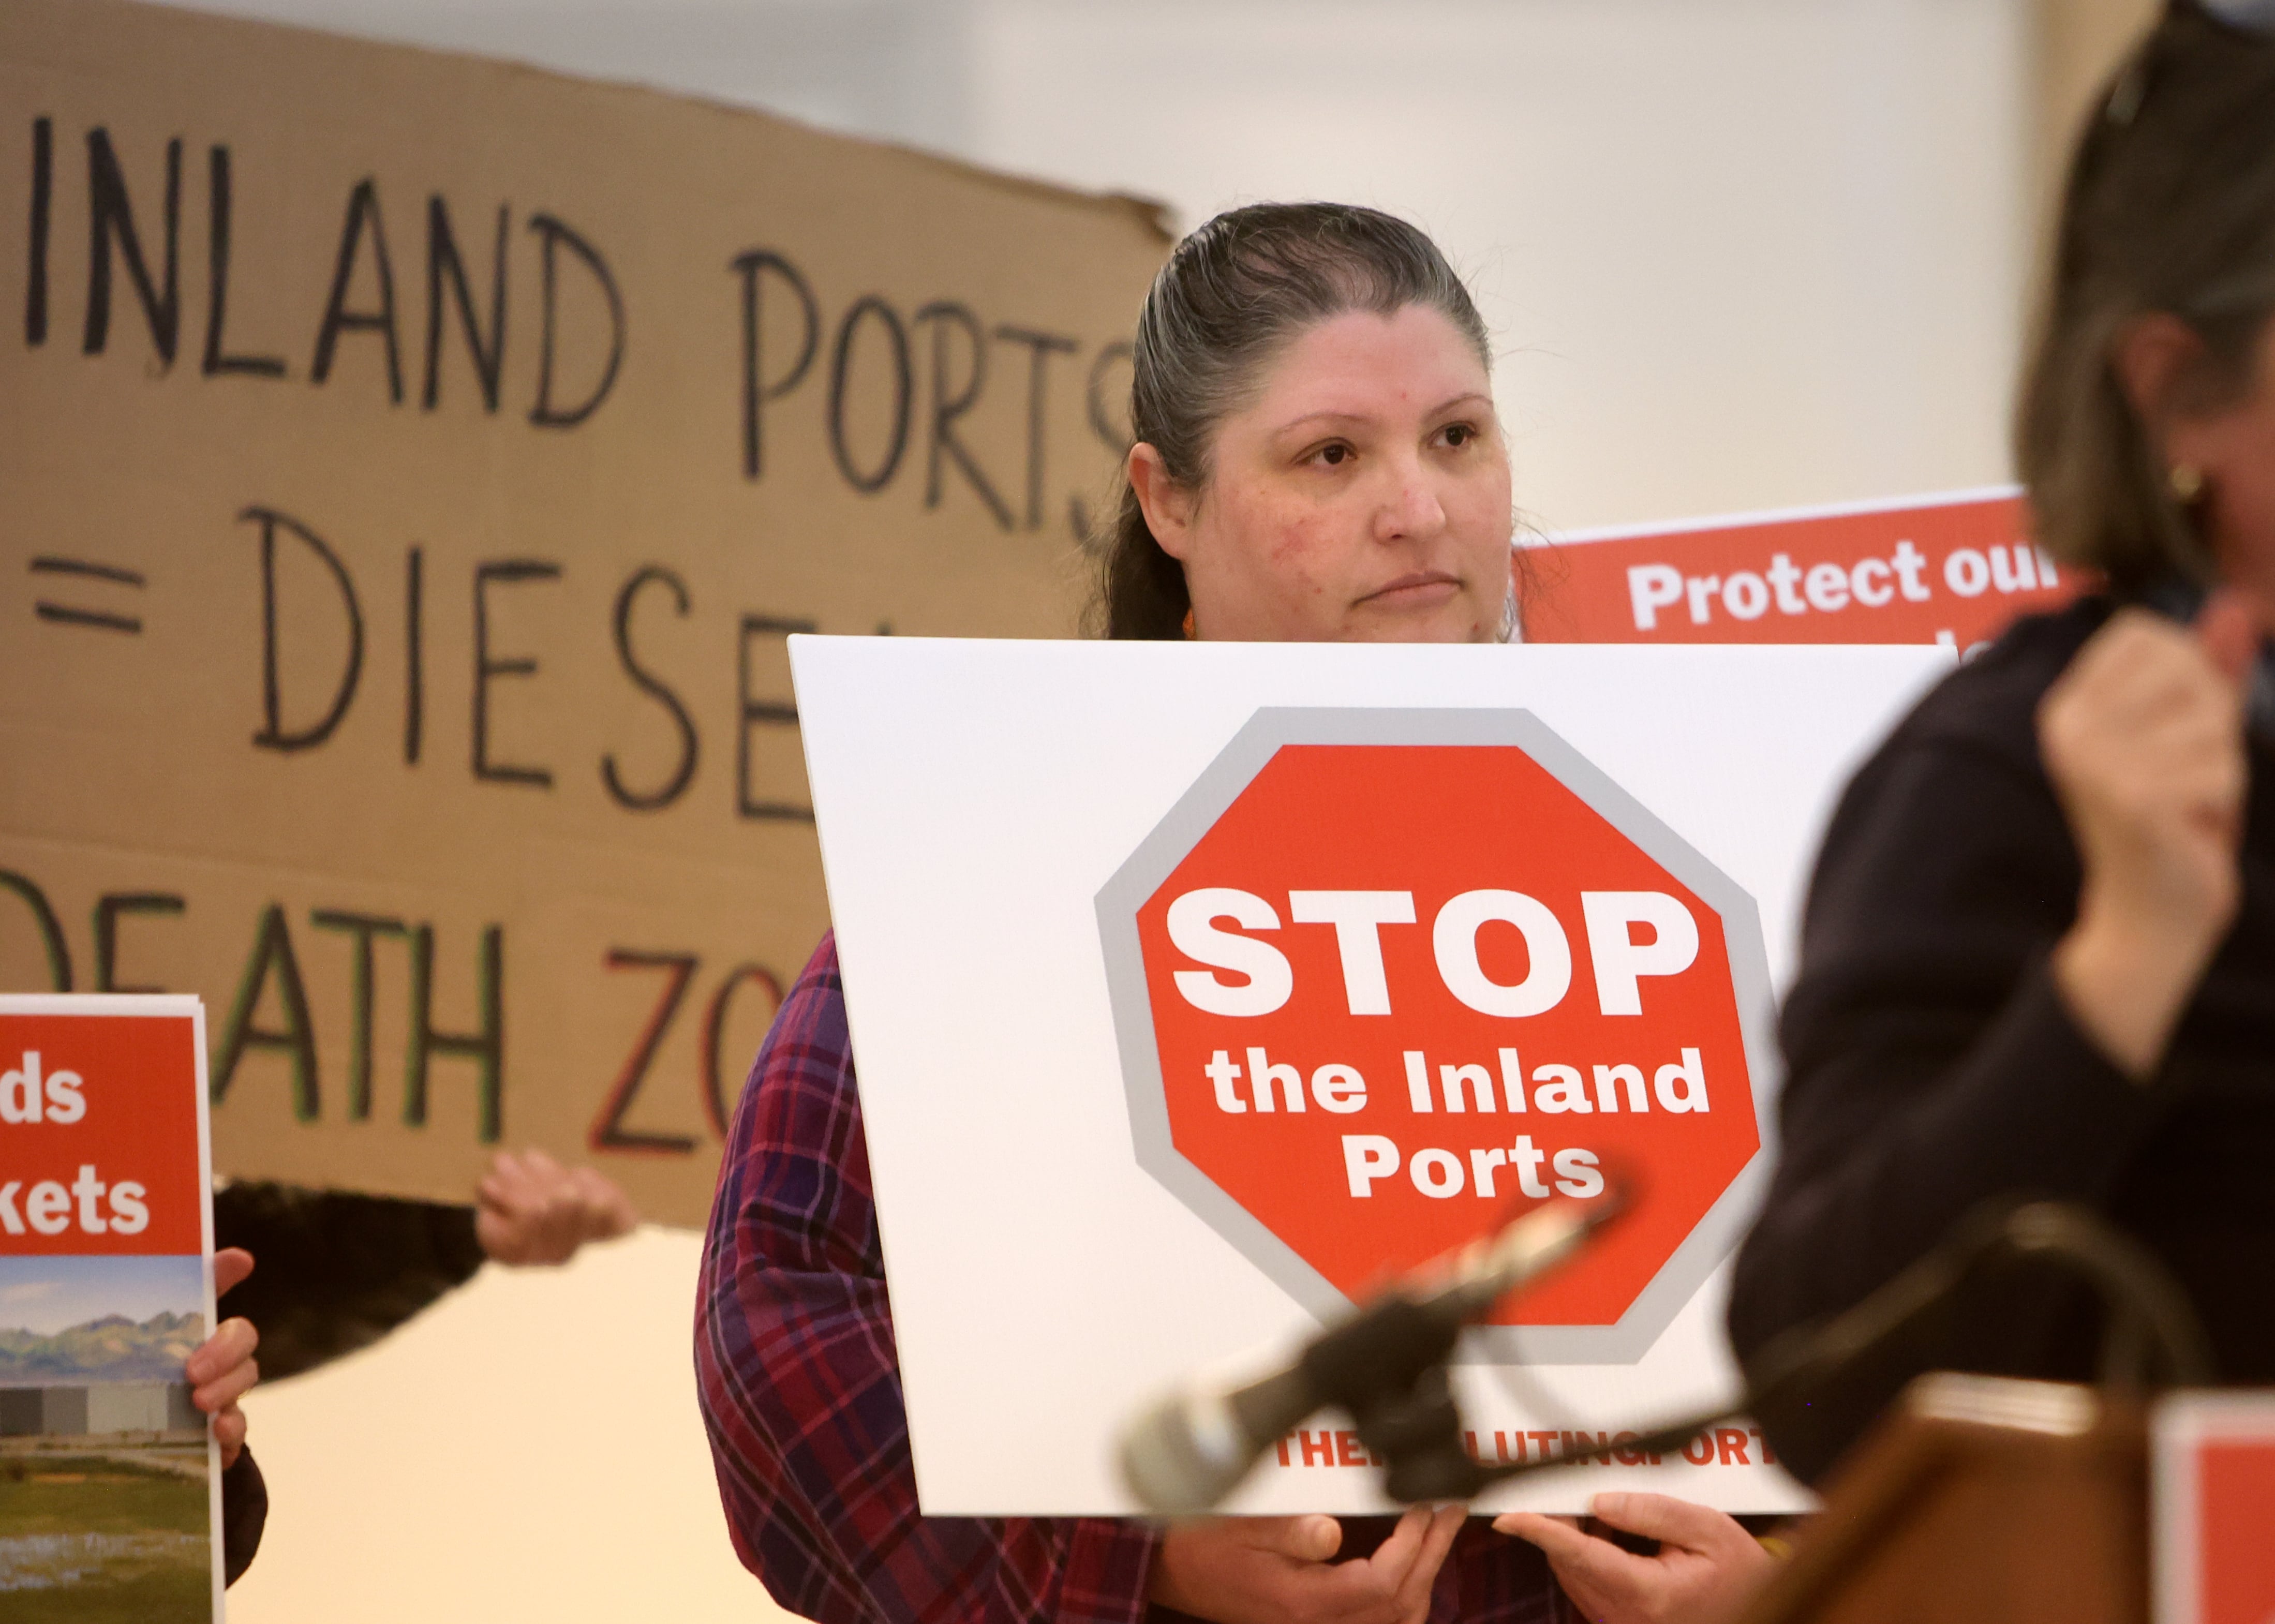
[1361, 418]
[1463, 399]
[1323, 418]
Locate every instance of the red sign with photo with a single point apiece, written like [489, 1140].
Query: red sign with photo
[100, 1149]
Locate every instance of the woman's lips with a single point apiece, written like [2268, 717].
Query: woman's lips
[1423, 587]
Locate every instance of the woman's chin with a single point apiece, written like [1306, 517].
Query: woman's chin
[1453, 620]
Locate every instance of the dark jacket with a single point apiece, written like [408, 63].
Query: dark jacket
[243, 1515]
[1932, 1066]
[333, 1273]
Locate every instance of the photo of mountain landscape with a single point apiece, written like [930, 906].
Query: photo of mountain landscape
[112, 1348]
[104, 1499]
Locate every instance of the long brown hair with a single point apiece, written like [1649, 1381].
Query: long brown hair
[1230, 299]
[2169, 206]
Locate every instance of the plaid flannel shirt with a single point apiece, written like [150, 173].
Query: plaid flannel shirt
[801, 1395]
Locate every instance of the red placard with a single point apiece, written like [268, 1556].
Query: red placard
[1396, 989]
[1951, 570]
[100, 1143]
[2214, 1506]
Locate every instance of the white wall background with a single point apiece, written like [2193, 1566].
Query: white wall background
[1736, 254]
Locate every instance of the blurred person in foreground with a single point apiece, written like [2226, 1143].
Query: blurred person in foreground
[1318, 459]
[2038, 956]
[343, 1270]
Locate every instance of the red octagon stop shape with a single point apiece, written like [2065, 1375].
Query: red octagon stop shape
[1380, 976]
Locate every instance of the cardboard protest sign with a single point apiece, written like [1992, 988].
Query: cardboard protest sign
[109, 1480]
[1211, 986]
[1948, 569]
[416, 464]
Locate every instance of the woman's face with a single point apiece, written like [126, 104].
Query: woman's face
[1363, 496]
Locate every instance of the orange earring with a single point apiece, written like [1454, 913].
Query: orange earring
[1189, 625]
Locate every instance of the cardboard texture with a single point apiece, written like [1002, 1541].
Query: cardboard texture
[413, 465]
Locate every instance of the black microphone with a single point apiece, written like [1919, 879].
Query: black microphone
[1187, 1453]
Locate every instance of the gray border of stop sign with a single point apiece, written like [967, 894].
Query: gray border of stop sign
[1714, 1237]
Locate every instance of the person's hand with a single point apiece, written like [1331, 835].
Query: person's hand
[222, 1370]
[1707, 1568]
[2142, 739]
[1276, 1570]
[530, 1209]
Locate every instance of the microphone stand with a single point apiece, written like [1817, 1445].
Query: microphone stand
[1406, 1414]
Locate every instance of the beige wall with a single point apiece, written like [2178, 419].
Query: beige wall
[1736, 254]
[527, 1452]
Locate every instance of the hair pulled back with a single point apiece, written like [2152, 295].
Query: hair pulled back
[2169, 206]
[1232, 296]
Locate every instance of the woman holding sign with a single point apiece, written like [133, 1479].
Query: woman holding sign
[1318, 459]
[2039, 954]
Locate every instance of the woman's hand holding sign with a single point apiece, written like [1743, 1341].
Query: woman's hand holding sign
[529, 1209]
[1707, 1569]
[222, 1370]
[1279, 1570]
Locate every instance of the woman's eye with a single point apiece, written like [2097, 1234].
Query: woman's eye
[1458, 435]
[1334, 455]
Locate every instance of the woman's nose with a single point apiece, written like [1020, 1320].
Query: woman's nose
[1411, 510]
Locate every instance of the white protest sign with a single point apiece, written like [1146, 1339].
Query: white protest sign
[1199, 990]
